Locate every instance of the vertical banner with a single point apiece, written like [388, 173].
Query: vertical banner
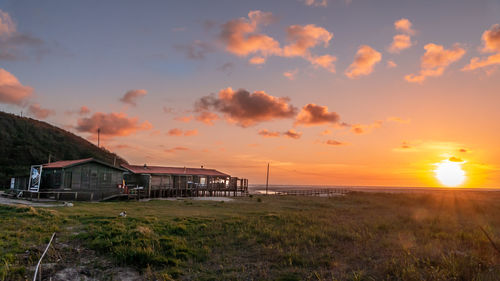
[35, 178]
[12, 183]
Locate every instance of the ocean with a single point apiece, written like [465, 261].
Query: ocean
[261, 188]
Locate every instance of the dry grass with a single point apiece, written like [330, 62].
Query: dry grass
[362, 236]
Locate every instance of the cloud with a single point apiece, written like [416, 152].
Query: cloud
[241, 38]
[303, 38]
[404, 25]
[363, 129]
[12, 42]
[398, 120]
[491, 43]
[455, 159]
[7, 26]
[326, 132]
[131, 96]
[268, 134]
[406, 145]
[178, 132]
[291, 74]
[313, 115]
[175, 132]
[435, 61]
[84, 110]
[463, 150]
[196, 50]
[257, 60]
[399, 43]
[185, 119]
[391, 64]
[189, 133]
[11, 90]
[364, 61]
[491, 39]
[81, 111]
[111, 124]
[325, 61]
[39, 112]
[335, 143]
[245, 108]
[292, 134]
[207, 117]
[175, 149]
[316, 3]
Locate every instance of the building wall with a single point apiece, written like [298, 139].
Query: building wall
[85, 177]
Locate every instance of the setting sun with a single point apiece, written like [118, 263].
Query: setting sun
[450, 172]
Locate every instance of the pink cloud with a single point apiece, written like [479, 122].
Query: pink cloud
[207, 117]
[175, 132]
[175, 149]
[363, 129]
[491, 43]
[40, 112]
[245, 108]
[7, 26]
[131, 96]
[11, 90]
[111, 124]
[335, 143]
[404, 25]
[313, 115]
[242, 38]
[292, 134]
[268, 134]
[241, 35]
[291, 74]
[435, 61]
[365, 60]
[189, 133]
[400, 42]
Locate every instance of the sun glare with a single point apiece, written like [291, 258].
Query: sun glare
[450, 173]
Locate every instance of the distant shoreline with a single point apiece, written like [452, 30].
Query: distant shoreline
[261, 188]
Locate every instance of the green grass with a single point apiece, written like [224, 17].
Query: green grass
[360, 236]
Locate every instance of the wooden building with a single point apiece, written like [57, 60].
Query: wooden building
[91, 178]
[156, 181]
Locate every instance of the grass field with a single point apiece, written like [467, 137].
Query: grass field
[360, 236]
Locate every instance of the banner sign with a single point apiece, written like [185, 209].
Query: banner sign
[12, 183]
[35, 178]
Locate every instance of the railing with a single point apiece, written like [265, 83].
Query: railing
[38, 269]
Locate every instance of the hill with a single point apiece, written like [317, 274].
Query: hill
[26, 141]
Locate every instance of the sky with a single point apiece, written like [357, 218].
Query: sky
[329, 92]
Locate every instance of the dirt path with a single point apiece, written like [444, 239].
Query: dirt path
[10, 201]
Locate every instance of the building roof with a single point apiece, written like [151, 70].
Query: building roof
[143, 169]
[71, 163]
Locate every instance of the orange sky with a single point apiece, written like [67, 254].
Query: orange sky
[327, 92]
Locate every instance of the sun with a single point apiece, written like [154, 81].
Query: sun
[449, 172]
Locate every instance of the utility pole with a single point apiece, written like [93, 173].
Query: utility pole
[98, 137]
[267, 178]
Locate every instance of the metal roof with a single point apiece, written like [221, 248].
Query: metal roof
[71, 163]
[142, 169]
